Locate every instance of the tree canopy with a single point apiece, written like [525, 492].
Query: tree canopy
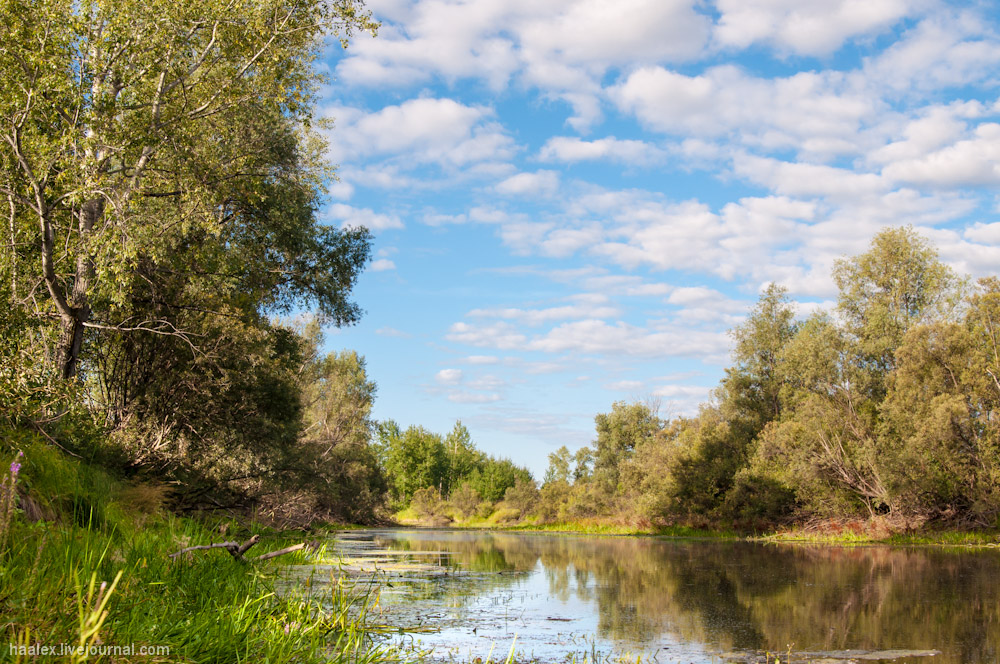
[159, 158]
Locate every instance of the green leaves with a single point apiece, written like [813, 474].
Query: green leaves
[184, 125]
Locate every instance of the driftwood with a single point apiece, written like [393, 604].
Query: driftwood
[236, 550]
[275, 554]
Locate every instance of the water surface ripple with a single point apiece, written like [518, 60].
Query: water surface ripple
[466, 594]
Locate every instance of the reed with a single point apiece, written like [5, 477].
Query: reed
[95, 584]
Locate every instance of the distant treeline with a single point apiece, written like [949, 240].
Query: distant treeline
[887, 405]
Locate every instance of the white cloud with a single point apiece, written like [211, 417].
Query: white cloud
[596, 337]
[561, 47]
[528, 184]
[946, 49]
[624, 386]
[983, 233]
[498, 335]
[683, 399]
[805, 27]
[392, 332]
[974, 161]
[420, 131]
[535, 317]
[482, 359]
[804, 179]
[449, 376]
[381, 265]
[572, 149]
[812, 112]
[349, 216]
[473, 397]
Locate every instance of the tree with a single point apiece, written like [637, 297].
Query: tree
[898, 282]
[144, 146]
[334, 457]
[559, 466]
[619, 433]
[463, 457]
[750, 394]
[413, 459]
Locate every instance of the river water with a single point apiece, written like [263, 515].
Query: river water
[467, 594]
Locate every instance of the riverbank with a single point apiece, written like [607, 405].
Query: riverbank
[84, 563]
[834, 531]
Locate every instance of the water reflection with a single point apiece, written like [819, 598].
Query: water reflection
[688, 600]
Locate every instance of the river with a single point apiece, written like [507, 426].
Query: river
[467, 594]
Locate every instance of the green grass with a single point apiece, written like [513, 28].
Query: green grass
[962, 538]
[97, 571]
[949, 538]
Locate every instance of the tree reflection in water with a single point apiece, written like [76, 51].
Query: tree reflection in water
[732, 595]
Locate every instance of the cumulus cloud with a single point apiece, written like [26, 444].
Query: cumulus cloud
[382, 265]
[585, 308]
[948, 48]
[449, 376]
[350, 216]
[683, 399]
[528, 184]
[572, 149]
[597, 337]
[804, 27]
[811, 112]
[420, 131]
[970, 162]
[561, 48]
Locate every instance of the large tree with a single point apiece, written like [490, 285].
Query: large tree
[896, 284]
[157, 157]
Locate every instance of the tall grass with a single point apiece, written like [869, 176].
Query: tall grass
[98, 574]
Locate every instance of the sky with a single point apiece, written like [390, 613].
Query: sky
[574, 201]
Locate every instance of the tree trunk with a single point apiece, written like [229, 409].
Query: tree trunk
[75, 320]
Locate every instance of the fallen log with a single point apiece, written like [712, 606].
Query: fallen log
[275, 554]
[236, 550]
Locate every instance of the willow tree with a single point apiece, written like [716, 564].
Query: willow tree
[158, 156]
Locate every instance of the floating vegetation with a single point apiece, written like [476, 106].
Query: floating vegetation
[463, 596]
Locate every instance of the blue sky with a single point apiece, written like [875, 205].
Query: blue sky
[573, 201]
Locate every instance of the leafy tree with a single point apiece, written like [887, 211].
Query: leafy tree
[334, 456]
[559, 466]
[897, 283]
[413, 459]
[495, 476]
[523, 496]
[465, 500]
[750, 393]
[583, 465]
[146, 146]
[463, 457]
[619, 433]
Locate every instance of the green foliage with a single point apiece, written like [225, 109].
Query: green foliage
[417, 459]
[522, 497]
[413, 459]
[749, 397]
[163, 158]
[465, 501]
[559, 466]
[492, 479]
[887, 412]
[202, 606]
[619, 433]
[427, 503]
[897, 283]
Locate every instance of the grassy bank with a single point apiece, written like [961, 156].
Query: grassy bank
[833, 531]
[94, 570]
